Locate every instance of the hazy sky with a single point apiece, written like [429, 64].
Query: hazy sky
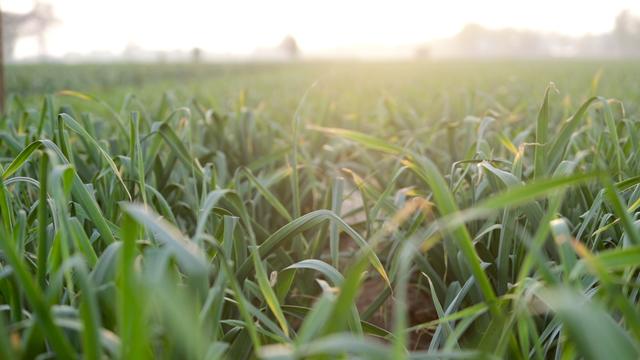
[240, 26]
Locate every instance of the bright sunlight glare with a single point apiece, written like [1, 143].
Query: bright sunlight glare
[320, 27]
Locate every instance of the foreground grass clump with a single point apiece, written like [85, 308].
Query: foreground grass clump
[189, 232]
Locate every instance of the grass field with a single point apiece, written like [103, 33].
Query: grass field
[420, 210]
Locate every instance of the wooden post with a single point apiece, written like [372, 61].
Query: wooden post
[1, 67]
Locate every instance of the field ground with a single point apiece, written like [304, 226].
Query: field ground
[423, 210]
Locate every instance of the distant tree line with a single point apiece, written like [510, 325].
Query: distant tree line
[475, 41]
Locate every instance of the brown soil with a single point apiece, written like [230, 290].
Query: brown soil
[420, 310]
[420, 306]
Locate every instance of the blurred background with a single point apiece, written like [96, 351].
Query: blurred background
[285, 30]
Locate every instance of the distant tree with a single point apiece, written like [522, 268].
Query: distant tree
[626, 33]
[131, 51]
[422, 52]
[34, 23]
[196, 55]
[289, 46]
[161, 57]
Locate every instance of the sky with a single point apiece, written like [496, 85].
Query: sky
[238, 27]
